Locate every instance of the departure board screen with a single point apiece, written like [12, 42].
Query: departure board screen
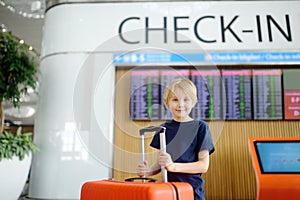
[230, 94]
[166, 77]
[145, 100]
[267, 94]
[237, 85]
[209, 86]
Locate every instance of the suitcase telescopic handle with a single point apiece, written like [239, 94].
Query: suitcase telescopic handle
[142, 134]
[163, 148]
[151, 129]
[162, 131]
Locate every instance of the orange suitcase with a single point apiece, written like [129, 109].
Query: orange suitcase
[121, 190]
[131, 190]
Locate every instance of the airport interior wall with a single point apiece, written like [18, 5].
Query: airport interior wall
[231, 174]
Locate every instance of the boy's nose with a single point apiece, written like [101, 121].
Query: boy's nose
[181, 102]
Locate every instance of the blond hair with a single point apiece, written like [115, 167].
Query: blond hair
[185, 84]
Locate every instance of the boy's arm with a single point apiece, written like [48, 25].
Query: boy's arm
[201, 166]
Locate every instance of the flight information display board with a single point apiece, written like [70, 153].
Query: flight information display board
[145, 100]
[230, 94]
[237, 85]
[209, 85]
[267, 94]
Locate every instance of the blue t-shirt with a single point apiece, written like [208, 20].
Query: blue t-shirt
[184, 141]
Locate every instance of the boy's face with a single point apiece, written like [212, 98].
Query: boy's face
[180, 105]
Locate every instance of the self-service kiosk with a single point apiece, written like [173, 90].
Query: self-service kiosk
[276, 163]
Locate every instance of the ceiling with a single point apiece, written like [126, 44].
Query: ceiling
[25, 23]
[23, 26]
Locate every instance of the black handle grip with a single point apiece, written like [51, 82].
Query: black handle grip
[141, 179]
[151, 129]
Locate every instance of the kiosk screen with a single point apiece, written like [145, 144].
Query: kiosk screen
[278, 157]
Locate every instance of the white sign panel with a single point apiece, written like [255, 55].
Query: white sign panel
[218, 26]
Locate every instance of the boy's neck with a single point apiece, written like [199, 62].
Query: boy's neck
[188, 119]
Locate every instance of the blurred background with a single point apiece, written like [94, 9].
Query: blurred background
[25, 20]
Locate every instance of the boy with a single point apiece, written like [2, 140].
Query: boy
[189, 141]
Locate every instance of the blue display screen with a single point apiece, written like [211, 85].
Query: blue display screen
[278, 157]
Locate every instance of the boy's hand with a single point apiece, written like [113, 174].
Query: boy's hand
[143, 169]
[165, 160]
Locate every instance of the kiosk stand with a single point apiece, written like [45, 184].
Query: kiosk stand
[276, 163]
